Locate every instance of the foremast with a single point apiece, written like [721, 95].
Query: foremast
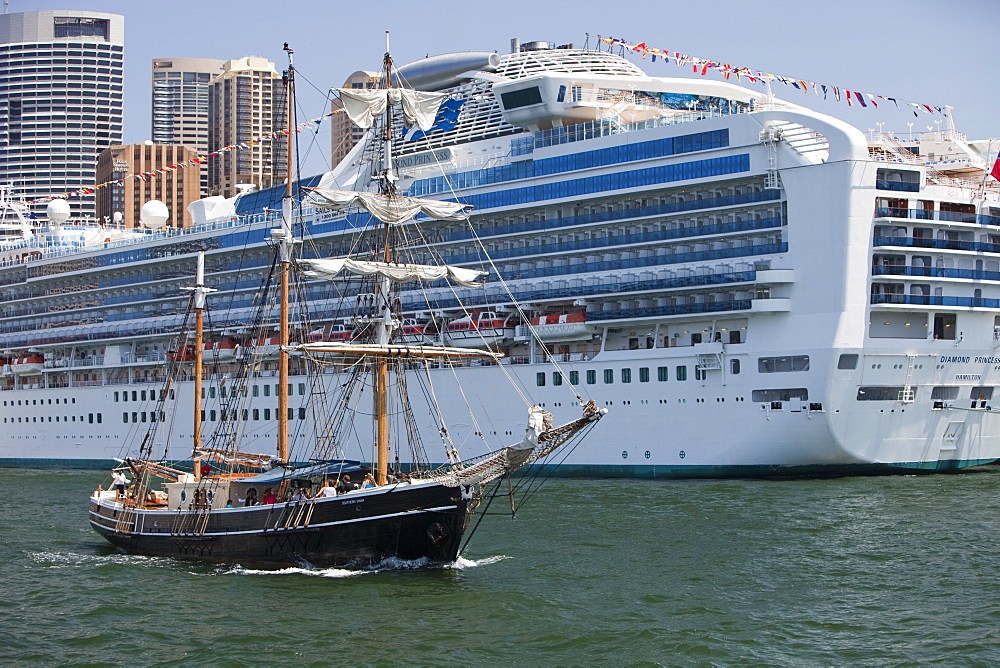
[286, 243]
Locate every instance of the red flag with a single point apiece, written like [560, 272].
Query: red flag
[996, 169]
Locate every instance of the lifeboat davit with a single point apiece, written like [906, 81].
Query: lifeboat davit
[563, 326]
[28, 364]
[478, 329]
[221, 350]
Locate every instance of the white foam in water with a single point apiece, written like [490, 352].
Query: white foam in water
[462, 563]
[391, 564]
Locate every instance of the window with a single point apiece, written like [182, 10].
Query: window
[626, 375]
[663, 373]
[267, 412]
[574, 377]
[302, 413]
[556, 378]
[540, 379]
[734, 367]
[786, 394]
[256, 414]
[945, 393]
[609, 376]
[982, 393]
[644, 374]
[944, 326]
[256, 391]
[521, 98]
[783, 363]
[682, 373]
[125, 417]
[267, 390]
[848, 361]
[591, 377]
[882, 392]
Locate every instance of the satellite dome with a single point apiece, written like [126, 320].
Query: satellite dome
[57, 211]
[154, 214]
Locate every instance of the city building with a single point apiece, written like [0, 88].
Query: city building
[246, 102]
[177, 188]
[180, 103]
[60, 100]
[343, 133]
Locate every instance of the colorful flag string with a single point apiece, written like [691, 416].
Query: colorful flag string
[702, 66]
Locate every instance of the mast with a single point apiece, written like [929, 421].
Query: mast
[200, 291]
[285, 249]
[381, 371]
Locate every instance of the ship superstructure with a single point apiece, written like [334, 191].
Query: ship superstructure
[752, 286]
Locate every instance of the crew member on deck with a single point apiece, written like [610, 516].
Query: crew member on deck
[120, 481]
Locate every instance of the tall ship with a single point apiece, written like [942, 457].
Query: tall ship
[749, 286]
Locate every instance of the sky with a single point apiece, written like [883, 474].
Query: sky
[936, 53]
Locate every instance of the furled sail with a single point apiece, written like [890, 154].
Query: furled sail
[388, 209]
[364, 106]
[392, 350]
[401, 273]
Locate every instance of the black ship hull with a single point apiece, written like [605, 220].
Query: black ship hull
[354, 530]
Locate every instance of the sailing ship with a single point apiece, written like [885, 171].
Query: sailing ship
[226, 505]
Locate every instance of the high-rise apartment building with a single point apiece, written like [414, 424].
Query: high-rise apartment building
[246, 102]
[177, 188]
[180, 103]
[343, 133]
[60, 100]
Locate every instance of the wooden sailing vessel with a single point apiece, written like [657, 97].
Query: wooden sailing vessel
[229, 506]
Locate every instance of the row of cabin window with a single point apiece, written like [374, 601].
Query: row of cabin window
[255, 390]
[34, 402]
[212, 415]
[92, 418]
[142, 395]
[662, 375]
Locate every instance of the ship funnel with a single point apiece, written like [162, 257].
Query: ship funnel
[444, 71]
[57, 211]
[154, 214]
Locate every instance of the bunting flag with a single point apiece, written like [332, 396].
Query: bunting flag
[703, 65]
[199, 160]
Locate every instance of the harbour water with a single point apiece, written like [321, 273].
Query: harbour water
[847, 571]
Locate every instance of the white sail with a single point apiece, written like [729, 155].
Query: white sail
[388, 209]
[401, 273]
[364, 106]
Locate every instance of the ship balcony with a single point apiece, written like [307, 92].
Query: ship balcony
[936, 301]
[772, 305]
[935, 272]
[943, 216]
[778, 305]
[941, 244]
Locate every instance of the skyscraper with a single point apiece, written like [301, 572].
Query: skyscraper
[60, 100]
[177, 188]
[180, 103]
[246, 102]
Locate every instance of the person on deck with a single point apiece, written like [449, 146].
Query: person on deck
[269, 497]
[328, 489]
[346, 485]
[120, 481]
[369, 481]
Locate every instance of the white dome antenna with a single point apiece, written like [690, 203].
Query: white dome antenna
[154, 214]
[57, 211]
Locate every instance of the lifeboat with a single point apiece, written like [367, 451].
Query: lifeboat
[339, 333]
[28, 364]
[221, 350]
[478, 329]
[413, 331]
[184, 354]
[267, 347]
[563, 326]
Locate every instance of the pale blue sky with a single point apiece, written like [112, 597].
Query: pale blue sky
[936, 53]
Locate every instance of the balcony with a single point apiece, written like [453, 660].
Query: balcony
[947, 216]
[928, 300]
[942, 244]
[935, 272]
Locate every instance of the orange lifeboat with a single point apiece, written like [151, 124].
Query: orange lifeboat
[477, 329]
[27, 364]
[563, 326]
[183, 354]
[221, 350]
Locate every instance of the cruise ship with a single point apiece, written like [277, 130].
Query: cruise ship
[751, 288]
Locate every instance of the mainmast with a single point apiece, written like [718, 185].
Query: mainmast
[200, 291]
[385, 325]
[285, 243]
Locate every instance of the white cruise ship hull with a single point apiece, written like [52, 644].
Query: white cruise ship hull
[767, 290]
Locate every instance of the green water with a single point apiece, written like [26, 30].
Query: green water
[849, 571]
